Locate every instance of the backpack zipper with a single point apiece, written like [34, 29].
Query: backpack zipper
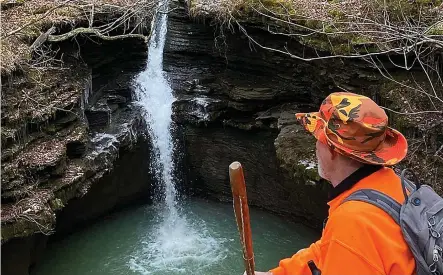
[432, 227]
[436, 256]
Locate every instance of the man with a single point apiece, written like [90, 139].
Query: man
[354, 147]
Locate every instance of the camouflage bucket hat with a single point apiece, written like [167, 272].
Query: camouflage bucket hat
[355, 126]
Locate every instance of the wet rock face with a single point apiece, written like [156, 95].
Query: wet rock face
[224, 80]
[212, 150]
[238, 104]
[225, 75]
[128, 182]
[17, 253]
[63, 169]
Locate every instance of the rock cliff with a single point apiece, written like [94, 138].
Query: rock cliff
[237, 101]
[69, 143]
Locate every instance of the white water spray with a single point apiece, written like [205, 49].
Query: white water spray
[155, 95]
[174, 245]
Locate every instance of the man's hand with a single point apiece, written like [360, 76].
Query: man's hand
[260, 273]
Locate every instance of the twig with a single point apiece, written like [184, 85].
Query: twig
[36, 20]
[412, 113]
[91, 22]
[42, 38]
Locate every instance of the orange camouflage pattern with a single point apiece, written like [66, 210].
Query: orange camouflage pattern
[357, 127]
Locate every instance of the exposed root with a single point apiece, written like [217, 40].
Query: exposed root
[75, 32]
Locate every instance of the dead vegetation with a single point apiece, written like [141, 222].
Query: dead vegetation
[408, 33]
[28, 213]
[27, 25]
[31, 180]
[36, 96]
[43, 100]
[36, 81]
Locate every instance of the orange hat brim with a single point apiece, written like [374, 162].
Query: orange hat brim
[314, 124]
[391, 151]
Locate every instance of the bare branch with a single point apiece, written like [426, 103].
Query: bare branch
[75, 32]
[36, 20]
[412, 113]
[42, 38]
[386, 35]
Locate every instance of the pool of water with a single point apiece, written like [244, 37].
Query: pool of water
[201, 239]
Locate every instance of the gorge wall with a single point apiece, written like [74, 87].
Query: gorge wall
[237, 101]
[66, 169]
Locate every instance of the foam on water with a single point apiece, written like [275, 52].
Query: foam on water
[133, 242]
[177, 247]
[174, 244]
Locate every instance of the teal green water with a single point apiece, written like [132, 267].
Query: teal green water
[203, 239]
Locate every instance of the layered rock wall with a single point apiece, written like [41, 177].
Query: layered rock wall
[67, 168]
[237, 101]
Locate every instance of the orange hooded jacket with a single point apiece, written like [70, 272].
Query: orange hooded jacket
[358, 238]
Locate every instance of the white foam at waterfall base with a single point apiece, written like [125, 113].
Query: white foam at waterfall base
[174, 244]
[177, 246]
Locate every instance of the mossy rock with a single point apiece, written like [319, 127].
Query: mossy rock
[296, 151]
[56, 204]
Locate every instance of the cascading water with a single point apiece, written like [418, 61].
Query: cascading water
[155, 95]
[168, 238]
[175, 244]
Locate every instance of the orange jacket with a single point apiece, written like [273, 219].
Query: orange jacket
[358, 238]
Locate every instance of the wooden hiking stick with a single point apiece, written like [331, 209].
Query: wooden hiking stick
[241, 211]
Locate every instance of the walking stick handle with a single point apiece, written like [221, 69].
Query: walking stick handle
[241, 211]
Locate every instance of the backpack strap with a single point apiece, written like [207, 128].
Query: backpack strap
[378, 199]
[409, 185]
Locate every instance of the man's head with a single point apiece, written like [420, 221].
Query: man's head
[352, 130]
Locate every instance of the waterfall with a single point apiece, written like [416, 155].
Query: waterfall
[175, 243]
[155, 95]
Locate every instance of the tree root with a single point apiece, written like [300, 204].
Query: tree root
[75, 32]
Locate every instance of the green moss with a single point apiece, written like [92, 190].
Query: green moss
[306, 172]
[337, 45]
[8, 232]
[329, 28]
[41, 10]
[341, 43]
[360, 39]
[21, 228]
[336, 14]
[31, 31]
[436, 30]
[431, 3]
[401, 9]
[313, 24]
[56, 204]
